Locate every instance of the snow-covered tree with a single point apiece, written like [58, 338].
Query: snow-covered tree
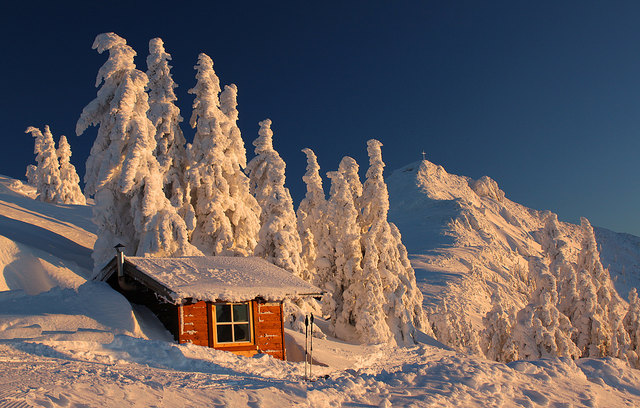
[47, 177]
[385, 256]
[278, 242]
[557, 251]
[32, 175]
[542, 331]
[227, 215]
[339, 302]
[70, 192]
[373, 287]
[593, 332]
[165, 117]
[310, 215]
[451, 325]
[609, 313]
[229, 106]
[497, 341]
[589, 261]
[632, 326]
[122, 172]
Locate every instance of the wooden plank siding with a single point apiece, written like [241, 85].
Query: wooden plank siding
[194, 324]
[268, 328]
[197, 326]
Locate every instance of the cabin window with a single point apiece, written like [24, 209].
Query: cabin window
[233, 322]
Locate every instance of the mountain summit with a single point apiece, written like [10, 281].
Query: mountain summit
[467, 241]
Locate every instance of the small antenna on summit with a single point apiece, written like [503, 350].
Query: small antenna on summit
[424, 156]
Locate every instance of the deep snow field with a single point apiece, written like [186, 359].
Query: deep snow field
[69, 342]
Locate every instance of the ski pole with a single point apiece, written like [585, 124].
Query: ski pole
[311, 347]
[306, 333]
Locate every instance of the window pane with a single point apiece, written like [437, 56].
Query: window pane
[224, 333]
[223, 313]
[241, 332]
[241, 313]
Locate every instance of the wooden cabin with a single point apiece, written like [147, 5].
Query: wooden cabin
[228, 303]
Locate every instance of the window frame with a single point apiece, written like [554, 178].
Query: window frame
[215, 325]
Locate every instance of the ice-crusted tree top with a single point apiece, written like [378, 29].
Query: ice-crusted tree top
[278, 241]
[206, 90]
[159, 70]
[48, 179]
[338, 189]
[310, 214]
[264, 141]
[209, 142]
[70, 192]
[120, 55]
[267, 169]
[589, 257]
[551, 234]
[227, 214]
[375, 193]
[312, 178]
[161, 86]
[229, 106]
[39, 145]
[64, 150]
[349, 169]
[229, 101]
[165, 116]
[588, 238]
[112, 110]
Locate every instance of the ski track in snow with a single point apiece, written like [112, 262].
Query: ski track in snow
[67, 343]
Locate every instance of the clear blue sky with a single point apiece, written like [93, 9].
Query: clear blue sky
[542, 96]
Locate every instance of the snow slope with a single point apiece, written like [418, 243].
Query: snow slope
[65, 341]
[468, 241]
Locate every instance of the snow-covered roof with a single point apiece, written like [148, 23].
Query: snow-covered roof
[222, 278]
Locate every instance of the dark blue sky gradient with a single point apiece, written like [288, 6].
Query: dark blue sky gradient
[542, 97]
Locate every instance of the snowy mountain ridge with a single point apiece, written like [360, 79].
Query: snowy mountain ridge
[467, 241]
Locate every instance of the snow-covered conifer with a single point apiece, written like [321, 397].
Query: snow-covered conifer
[541, 329]
[593, 332]
[122, 172]
[386, 255]
[497, 341]
[32, 175]
[632, 326]
[70, 192]
[609, 313]
[227, 215]
[165, 117]
[452, 326]
[589, 260]
[381, 301]
[557, 251]
[278, 242]
[340, 300]
[229, 106]
[310, 214]
[48, 170]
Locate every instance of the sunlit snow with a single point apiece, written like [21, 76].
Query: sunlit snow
[68, 342]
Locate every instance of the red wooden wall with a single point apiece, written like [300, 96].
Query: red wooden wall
[195, 326]
[268, 328]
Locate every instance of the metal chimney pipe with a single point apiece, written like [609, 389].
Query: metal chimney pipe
[122, 281]
[120, 260]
